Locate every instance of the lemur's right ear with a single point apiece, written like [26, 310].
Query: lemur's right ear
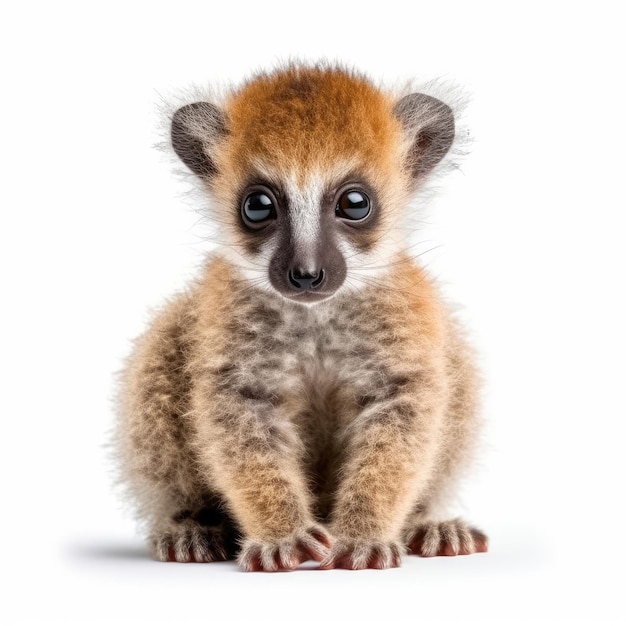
[196, 129]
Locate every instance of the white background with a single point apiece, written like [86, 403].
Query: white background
[95, 231]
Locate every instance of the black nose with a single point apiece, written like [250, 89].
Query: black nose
[303, 281]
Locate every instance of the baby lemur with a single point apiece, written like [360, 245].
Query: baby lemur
[310, 395]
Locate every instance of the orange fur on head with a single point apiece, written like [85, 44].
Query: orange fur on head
[311, 118]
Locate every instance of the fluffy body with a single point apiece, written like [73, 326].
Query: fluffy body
[256, 423]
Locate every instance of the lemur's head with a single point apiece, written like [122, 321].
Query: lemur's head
[310, 169]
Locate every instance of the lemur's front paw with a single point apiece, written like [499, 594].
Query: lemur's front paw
[446, 539]
[190, 542]
[362, 554]
[287, 553]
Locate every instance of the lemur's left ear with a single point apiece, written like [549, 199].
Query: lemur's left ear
[196, 130]
[429, 124]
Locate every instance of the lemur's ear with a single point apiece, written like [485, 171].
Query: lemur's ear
[196, 129]
[429, 124]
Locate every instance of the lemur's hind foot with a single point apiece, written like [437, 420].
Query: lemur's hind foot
[451, 538]
[188, 541]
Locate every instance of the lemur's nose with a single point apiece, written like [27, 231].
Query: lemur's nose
[303, 281]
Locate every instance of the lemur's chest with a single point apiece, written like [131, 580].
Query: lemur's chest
[314, 355]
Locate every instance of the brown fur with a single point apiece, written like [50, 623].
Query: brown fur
[256, 426]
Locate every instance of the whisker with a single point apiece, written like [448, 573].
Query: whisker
[370, 281]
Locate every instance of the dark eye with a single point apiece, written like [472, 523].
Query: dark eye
[353, 205]
[258, 207]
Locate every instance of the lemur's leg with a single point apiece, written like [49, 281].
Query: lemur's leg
[254, 455]
[428, 533]
[390, 455]
[183, 522]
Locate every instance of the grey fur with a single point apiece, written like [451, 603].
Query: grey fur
[429, 123]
